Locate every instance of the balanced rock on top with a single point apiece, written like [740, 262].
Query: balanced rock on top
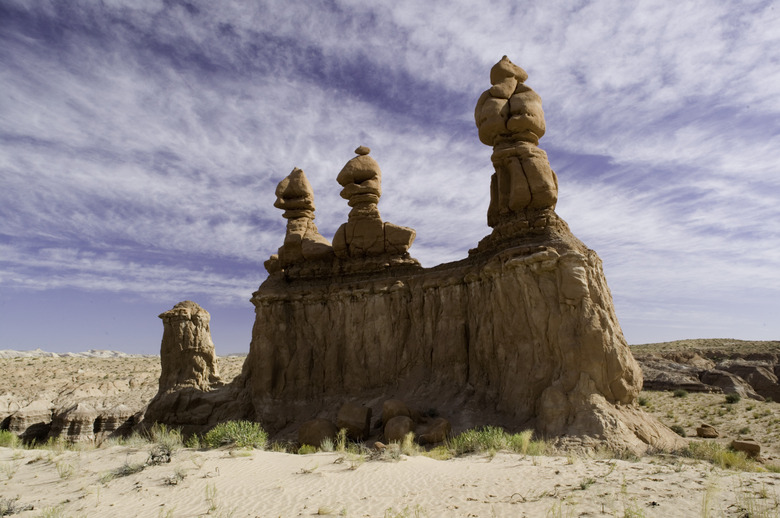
[302, 241]
[365, 234]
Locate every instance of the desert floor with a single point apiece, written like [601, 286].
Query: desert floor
[90, 482]
[264, 483]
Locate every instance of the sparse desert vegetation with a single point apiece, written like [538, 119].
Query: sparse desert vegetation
[484, 471]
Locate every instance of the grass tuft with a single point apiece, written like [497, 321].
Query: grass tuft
[237, 434]
[491, 439]
[9, 439]
[720, 456]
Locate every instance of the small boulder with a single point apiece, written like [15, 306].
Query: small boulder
[707, 431]
[315, 431]
[397, 428]
[437, 430]
[751, 448]
[393, 408]
[380, 446]
[356, 419]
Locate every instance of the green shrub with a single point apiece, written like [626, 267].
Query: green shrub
[680, 393]
[642, 401]
[720, 456]
[9, 439]
[239, 434]
[732, 398]
[306, 449]
[679, 430]
[492, 439]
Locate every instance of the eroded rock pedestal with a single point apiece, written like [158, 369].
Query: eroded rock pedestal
[192, 395]
[521, 334]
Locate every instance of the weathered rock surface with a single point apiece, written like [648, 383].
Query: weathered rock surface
[524, 188]
[392, 408]
[74, 424]
[315, 431]
[707, 431]
[33, 422]
[747, 374]
[750, 447]
[191, 394]
[434, 430]
[187, 352]
[356, 419]
[396, 428]
[729, 383]
[759, 375]
[302, 241]
[521, 334]
[365, 234]
[117, 421]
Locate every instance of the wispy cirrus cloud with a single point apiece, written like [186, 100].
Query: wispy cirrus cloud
[140, 142]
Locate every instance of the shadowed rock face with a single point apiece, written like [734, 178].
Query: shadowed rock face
[522, 333]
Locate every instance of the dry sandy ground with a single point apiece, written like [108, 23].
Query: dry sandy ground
[268, 484]
[218, 483]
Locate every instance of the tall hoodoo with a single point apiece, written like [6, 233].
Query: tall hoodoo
[524, 188]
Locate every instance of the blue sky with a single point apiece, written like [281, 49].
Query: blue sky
[141, 141]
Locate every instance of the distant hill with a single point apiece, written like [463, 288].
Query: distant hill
[730, 346]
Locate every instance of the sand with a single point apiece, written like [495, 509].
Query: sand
[269, 484]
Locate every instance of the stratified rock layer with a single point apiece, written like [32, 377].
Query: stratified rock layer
[521, 337]
[191, 394]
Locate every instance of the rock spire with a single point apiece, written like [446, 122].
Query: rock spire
[524, 188]
[302, 241]
[365, 234]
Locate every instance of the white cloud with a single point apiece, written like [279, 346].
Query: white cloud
[169, 134]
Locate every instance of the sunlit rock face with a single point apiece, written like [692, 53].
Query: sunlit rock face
[522, 333]
[187, 352]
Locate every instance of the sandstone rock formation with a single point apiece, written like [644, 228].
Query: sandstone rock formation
[117, 421]
[520, 334]
[365, 234]
[74, 424]
[191, 394]
[524, 188]
[355, 419]
[396, 428]
[315, 431]
[749, 375]
[187, 352]
[33, 422]
[302, 242]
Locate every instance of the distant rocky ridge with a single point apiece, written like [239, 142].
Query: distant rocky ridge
[92, 353]
[749, 369]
